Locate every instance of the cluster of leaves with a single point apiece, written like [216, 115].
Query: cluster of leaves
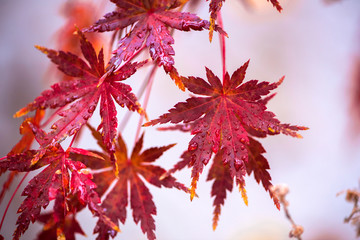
[225, 121]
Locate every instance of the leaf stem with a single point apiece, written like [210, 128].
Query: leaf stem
[150, 80]
[73, 139]
[139, 94]
[222, 44]
[101, 170]
[132, 56]
[11, 199]
[3, 158]
[7, 184]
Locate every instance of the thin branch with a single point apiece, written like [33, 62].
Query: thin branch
[11, 199]
[139, 94]
[353, 196]
[150, 81]
[280, 191]
[222, 45]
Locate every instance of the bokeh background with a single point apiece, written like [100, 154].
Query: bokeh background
[314, 43]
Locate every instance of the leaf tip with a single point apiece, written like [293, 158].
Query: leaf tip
[21, 113]
[177, 78]
[42, 49]
[211, 28]
[193, 186]
[214, 226]
[281, 80]
[244, 195]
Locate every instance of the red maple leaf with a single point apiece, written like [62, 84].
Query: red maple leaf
[92, 83]
[132, 170]
[222, 117]
[151, 20]
[60, 176]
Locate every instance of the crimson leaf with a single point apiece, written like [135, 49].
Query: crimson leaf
[91, 85]
[151, 20]
[222, 117]
[132, 170]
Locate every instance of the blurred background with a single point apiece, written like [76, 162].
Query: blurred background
[314, 43]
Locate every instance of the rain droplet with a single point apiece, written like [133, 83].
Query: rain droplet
[242, 140]
[139, 34]
[86, 117]
[193, 146]
[243, 158]
[91, 109]
[228, 137]
[214, 149]
[72, 131]
[195, 131]
[205, 161]
[112, 232]
[217, 132]
[237, 164]
[242, 147]
[68, 99]
[54, 126]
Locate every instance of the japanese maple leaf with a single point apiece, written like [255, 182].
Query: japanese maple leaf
[91, 85]
[215, 7]
[56, 223]
[133, 171]
[222, 117]
[151, 21]
[60, 175]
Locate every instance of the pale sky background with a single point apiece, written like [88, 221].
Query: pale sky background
[313, 44]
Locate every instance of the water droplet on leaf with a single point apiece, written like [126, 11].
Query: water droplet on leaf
[193, 146]
[91, 109]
